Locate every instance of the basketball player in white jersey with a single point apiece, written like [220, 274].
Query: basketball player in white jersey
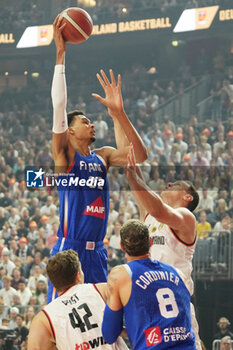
[73, 320]
[171, 223]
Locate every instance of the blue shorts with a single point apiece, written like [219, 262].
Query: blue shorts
[93, 257]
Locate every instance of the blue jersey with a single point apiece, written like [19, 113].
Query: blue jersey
[84, 200]
[157, 315]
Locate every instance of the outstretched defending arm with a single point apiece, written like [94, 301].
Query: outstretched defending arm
[180, 219]
[59, 96]
[125, 132]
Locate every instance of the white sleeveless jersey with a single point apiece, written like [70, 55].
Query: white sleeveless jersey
[76, 318]
[169, 249]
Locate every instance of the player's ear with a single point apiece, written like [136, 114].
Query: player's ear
[80, 277]
[150, 241]
[188, 197]
[71, 130]
[122, 248]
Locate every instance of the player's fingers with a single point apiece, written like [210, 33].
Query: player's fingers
[112, 77]
[62, 26]
[105, 77]
[101, 81]
[132, 155]
[119, 81]
[56, 20]
[98, 97]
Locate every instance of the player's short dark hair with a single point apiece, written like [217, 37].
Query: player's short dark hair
[135, 238]
[71, 116]
[62, 269]
[193, 192]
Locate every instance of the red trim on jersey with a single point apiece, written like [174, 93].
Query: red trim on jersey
[50, 322]
[65, 291]
[180, 240]
[146, 217]
[98, 291]
[70, 166]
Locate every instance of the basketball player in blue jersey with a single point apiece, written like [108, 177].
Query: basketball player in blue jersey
[84, 202]
[150, 295]
[171, 224]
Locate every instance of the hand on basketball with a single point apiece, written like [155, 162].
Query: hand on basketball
[113, 99]
[57, 34]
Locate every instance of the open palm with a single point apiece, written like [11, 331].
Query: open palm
[113, 99]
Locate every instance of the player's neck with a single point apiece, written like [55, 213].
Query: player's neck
[140, 257]
[82, 147]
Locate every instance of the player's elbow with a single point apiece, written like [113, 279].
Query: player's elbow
[143, 155]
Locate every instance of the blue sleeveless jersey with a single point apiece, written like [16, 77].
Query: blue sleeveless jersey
[84, 199]
[157, 315]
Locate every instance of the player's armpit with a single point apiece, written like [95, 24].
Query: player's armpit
[40, 334]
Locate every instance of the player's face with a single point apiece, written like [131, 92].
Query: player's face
[174, 191]
[83, 128]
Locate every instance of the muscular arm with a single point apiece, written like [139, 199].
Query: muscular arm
[179, 219]
[40, 334]
[125, 133]
[119, 290]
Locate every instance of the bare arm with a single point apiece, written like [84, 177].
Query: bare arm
[40, 334]
[179, 219]
[124, 130]
[59, 98]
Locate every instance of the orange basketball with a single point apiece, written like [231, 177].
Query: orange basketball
[78, 26]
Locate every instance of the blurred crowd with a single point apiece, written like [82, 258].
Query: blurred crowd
[27, 13]
[199, 152]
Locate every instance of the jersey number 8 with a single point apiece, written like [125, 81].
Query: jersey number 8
[167, 303]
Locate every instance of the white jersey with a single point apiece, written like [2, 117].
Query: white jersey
[76, 318]
[168, 248]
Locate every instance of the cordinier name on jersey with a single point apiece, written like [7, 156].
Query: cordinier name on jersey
[91, 182]
[175, 333]
[74, 299]
[149, 277]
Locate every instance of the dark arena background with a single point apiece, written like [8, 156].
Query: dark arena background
[177, 86]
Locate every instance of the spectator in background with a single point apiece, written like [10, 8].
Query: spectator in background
[24, 293]
[52, 238]
[224, 329]
[16, 278]
[226, 343]
[53, 217]
[36, 275]
[45, 209]
[101, 131]
[14, 311]
[45, 225]
[33, 234]
[41, 292]
[203, 227]
[7, 293]
[28, 317]
[183, 146]
[21, 330]
[22, 231]
[206, 201]
[115, 239]
[220, 209]
[6, 262]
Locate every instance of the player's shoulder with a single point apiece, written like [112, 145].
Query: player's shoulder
[118, 274]
[186, 213]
